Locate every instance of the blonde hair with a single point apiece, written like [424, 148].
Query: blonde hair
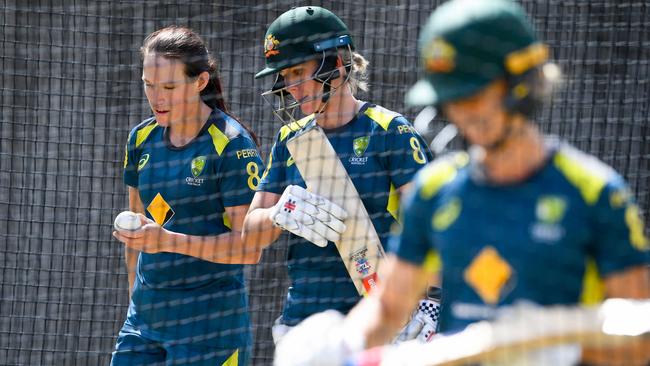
[358, 79]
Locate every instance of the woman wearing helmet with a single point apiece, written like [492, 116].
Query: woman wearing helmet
[519, 217]
[317, 73]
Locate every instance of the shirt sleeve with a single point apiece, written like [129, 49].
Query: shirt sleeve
[619, 239]
[274, 176]
[240, 172]
[412, 242]
[131, 157]
[408, 152]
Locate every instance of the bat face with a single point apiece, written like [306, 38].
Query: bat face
[325, 175]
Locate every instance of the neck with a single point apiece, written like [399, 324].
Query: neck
[340, 109]
[521, 154]
[182, 133]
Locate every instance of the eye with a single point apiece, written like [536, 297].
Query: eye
[169, 87]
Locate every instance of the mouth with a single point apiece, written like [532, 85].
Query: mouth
[160, 111]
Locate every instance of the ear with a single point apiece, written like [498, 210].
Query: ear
[203, 80]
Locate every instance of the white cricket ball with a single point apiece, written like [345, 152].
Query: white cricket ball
[127, 221]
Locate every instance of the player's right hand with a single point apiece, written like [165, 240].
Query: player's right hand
[308, 215]
[424, 320]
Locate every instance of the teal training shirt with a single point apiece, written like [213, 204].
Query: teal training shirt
[532, 241]
[381, 152]
[179, 298]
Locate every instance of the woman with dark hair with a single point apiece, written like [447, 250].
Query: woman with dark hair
[191, 170]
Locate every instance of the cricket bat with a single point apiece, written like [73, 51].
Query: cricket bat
[325, 175]
[510, 339]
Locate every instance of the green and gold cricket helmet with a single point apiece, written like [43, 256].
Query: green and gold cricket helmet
[302, 34]
[466, 44]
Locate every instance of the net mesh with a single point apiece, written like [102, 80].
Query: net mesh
[71, 91]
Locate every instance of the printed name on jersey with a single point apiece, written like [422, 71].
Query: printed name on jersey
[401, 129]
[549, 211]
[196, 167]
[143, 161]
[247, 153]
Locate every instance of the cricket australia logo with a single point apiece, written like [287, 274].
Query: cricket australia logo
[359, 146]
[196, 167]
[550, 211]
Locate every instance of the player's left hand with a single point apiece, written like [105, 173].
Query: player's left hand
[320, 340]
[148, 238]
[308, 215]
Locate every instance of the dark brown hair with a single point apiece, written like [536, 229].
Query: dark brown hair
[183, 44]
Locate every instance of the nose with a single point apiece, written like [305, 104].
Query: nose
[157, 97]
[294, 90]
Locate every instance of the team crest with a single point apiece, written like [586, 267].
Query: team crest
[271, 46]
[439, 56]
[359, 145]
[197, 165]
[143, 161]
[550, 209]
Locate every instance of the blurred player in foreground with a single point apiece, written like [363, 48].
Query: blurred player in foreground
[520, 216]
[317, 71]
[192, 170]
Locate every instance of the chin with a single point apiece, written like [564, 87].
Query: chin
[309, 107]
[163, 122]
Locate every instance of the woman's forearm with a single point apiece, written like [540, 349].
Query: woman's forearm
[258, 229]
[226, 248]
[131, 259]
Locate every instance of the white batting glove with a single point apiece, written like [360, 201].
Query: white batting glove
[320, 340]
[424, 321]
[309, 216]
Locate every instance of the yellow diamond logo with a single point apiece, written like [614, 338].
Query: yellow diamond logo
[488, 274]
[160, 210]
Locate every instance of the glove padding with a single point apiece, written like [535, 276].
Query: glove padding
[320, 340]
[309, 216]
[423, 324]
